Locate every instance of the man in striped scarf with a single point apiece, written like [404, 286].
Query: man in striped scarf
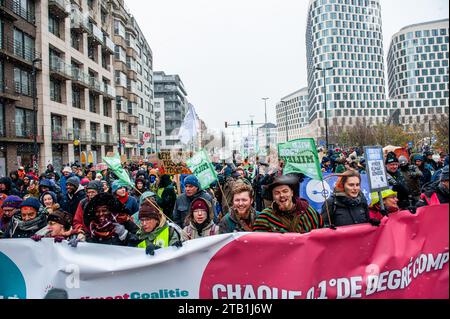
[288, 213]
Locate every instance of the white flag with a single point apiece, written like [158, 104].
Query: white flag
[188, 130]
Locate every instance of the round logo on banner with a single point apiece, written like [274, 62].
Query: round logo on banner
[316, 192]
[12, 282]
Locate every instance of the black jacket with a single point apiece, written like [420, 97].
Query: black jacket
[70, 203]
[431, 188]
[345, 211]
[20, 229]
[182, 204]
[399, 185]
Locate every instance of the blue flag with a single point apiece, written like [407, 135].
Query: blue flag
[312, 190]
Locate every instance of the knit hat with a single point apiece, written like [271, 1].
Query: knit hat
[149, 211]
[384, 194]
[67, 169]
[192, 180]
[418, 158]
[31, 202]
[325, 159]
[116, 185]
[403, 160]
[95, 185]
[98, 176]
[62, 218]
[391, 158]
[444, 174]
[199, 203]
[12, 201]
[74, 181]
[84, 181]
[52, 194]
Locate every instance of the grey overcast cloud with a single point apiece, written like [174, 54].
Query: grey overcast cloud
[231, 53]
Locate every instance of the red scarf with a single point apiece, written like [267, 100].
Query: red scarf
[124, 199]
[104, 231]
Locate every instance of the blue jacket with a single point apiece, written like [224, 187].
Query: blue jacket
[63, 181]
[132, 205]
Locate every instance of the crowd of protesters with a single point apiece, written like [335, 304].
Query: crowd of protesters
[80, 204]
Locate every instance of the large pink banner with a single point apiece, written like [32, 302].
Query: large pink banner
[406, 257]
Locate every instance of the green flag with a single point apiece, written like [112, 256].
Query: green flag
[115, 166]
[300, 156]
[202, 168]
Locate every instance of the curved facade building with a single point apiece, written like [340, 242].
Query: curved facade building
[418, 64]
[346, 35]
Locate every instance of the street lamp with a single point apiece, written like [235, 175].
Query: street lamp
[325, 99]
[265, 123]
[35, 145]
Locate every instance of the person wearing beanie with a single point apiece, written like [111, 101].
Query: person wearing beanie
[92, 189]
[75, 194]
[326, 165]
[119, 190]
[436, 193]
[144, 197]
[154, 230]
[28, 221]
[182, 203]
[419, 161]
[390, 202]
[98, 177]
[101, 219]
[397, 181]
[200, 221]
[59, 227]
[7, 188]
[9, 206]
[288, 212]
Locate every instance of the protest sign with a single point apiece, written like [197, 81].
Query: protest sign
[203, 169]
[375, 168]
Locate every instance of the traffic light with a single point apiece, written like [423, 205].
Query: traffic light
[226, 124]
[252, 123]
[239, 123]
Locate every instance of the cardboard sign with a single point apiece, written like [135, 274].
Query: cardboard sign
[376, 171]
[168, 165]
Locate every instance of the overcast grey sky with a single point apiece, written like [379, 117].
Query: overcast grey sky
[231, 53]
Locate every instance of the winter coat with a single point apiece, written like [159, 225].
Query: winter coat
[431, 189]
[191, 232]
[143, 239]
[345, 210]
[70, 202]
[375, 211]
[9, 187]
[166, 199]
[78, 219]
[399, 185]
[231, 223]
[302, 219]
[182, 204]
[411, 174]
[131, 204]
[63, 183]
[114, 240]
[20, 229]
[426, 176]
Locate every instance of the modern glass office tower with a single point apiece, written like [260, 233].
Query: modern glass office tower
[347, 36]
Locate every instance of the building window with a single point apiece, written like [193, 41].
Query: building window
[24, 45]
[55, 90]
[76, 97]
[76, 40]
[24, 121]
[22, 82]
[53, 25]
[25, 9]
[92, 103]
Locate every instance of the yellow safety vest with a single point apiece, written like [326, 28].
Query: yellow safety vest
[160, 191]
[162, 240]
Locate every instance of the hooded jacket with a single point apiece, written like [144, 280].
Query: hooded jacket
[345, 210]
[71, 201]
[9, 189]
[193, 230]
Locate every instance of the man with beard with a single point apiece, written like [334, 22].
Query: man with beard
[242, 215]
[288, 213]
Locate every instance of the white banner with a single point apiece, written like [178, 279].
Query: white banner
[99, 271]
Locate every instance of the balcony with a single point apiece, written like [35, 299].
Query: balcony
[107, 139]
[79, 22]
[109, 92]
[60, 135]
[122, 116]
[109, 45]
[8, 90]
[19, 52]
[96, 34]
[59, 69]
[79, 78]
[95, 85]
[7, 10]
[59, 8]
[78, 134]
[15, 132]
